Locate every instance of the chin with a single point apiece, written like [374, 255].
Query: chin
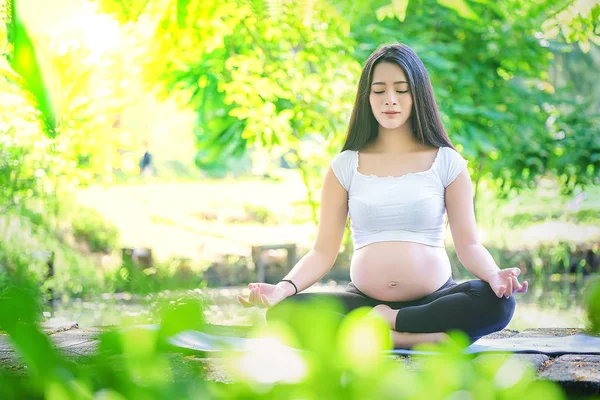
[392, 124]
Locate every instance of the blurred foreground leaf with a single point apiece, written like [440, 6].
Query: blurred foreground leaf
[24, 61]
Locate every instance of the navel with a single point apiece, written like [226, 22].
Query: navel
[393, 284]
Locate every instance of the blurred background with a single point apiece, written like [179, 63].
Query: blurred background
[152, 146]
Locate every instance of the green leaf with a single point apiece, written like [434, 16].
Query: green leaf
[182, 12]
[399, 8]
[24, 61]
[584, 44]
[461, 7]
[464, 109]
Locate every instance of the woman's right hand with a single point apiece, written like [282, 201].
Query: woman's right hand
[264, 295]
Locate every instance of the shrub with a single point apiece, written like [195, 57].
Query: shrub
[90, 226]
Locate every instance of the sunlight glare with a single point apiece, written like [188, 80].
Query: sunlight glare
[269, 361]
[510, 373]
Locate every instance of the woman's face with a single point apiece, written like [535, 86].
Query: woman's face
[390, 98]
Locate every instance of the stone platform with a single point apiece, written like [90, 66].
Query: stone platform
[578, 374]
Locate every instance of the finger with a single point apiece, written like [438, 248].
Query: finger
[524, 287]
[516, 284]
[253, 298]
[506, 272]
[262, 286]
[259, 299]
[500, 291]
[244, 302]
[516, 271]
[266, 301]
[509, 288]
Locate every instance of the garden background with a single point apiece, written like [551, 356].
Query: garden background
[242, 106]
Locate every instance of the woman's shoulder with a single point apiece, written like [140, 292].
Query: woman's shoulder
[344, 156]
[451, 154]
[343, 166]
[450, 164]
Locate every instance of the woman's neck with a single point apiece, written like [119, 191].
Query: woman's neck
[395, 141]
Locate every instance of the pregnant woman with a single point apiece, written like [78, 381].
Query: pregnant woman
[396, 178]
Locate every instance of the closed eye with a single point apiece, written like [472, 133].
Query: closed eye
[397, 91]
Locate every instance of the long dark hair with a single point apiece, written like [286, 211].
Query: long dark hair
[427, 125]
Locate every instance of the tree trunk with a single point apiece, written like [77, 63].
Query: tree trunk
[477, 180]
[309, 193]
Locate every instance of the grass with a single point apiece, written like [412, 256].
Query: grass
[537, 216]
[207, 219]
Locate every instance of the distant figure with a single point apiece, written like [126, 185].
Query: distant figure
[575, 204]
[146, 161]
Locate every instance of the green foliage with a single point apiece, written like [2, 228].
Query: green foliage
[88, 143]
[587, 216]
[260, 214]
[37, 170]
[576, 22]
[20, 250]
[26, 153]
[279, 84]
[17, 260]
[492, 85]
[543, 260]
[19, 312]
[174, 273]
[292, 56]
[576, 154]
[346, 360]
[89, 225]
[130, 363]
[38, 174]
[24, 61]
[592, 300]
[92, 143]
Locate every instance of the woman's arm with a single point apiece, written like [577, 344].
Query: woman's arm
[471, 253]
[332, 221]
[320, 259]
[308, 270]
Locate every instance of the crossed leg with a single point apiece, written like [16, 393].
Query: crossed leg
[471, 306]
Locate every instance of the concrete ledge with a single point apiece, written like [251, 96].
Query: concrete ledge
[577, 374]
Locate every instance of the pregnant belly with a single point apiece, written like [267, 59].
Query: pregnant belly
[399, 271]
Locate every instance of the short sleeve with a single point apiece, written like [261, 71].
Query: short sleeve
[452, 164]
[342, 166]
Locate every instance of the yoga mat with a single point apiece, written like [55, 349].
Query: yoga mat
[554, 345]
[574, 344]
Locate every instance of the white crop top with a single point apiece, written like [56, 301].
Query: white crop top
[409, 208]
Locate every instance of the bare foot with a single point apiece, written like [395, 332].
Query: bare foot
[407, 340]
[387, 313]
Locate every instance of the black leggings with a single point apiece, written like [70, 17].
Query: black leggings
[471, 307]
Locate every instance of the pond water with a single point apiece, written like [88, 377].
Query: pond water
[551, 302]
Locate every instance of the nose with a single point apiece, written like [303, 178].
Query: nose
[391, 99]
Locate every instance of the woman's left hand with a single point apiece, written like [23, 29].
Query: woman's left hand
[505, 282]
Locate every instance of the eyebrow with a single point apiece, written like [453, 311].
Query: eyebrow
[382, 83]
